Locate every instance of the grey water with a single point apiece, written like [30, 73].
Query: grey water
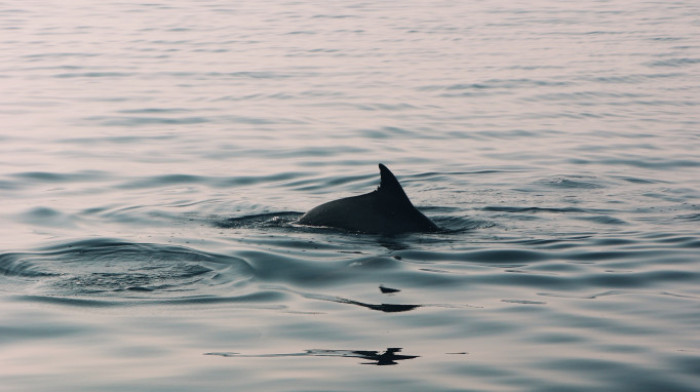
[155, 156]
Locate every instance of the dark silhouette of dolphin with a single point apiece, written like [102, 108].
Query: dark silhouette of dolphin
[386, 210]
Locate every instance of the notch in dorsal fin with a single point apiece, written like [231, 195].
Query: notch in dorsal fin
[389, 185]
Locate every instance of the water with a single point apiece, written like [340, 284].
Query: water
[155, 156]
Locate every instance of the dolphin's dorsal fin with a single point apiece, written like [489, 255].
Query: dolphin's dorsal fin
[390, 186]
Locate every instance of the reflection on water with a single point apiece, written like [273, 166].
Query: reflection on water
[387, 308]
[389, 356]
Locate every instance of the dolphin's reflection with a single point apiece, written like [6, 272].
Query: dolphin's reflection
[387, 308]
[390, 356]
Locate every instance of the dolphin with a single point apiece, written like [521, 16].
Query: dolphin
[386, 210]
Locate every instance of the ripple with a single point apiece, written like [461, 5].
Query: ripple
[260, 221]
[572, 183]
[45, 216]
[217, 182]
[51, 177]
[641, 279]
[492, 84]
[523, 302]
[603, 219]
[133, 121]
[254, 300]
[130, 139]
[645, 163]
[487, 256]
[628, 375]
[94, 75]
[533, 209]
[675, 62]
[109, 266]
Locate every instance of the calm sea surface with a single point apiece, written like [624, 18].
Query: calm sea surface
[155, 156]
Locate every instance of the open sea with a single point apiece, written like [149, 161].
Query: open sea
[155, 156]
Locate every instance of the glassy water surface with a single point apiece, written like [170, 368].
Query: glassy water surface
[154, 158]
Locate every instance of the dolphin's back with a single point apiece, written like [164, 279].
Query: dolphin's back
[384, 211]
[355, 213]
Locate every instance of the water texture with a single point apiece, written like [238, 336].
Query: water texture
[155, 157]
